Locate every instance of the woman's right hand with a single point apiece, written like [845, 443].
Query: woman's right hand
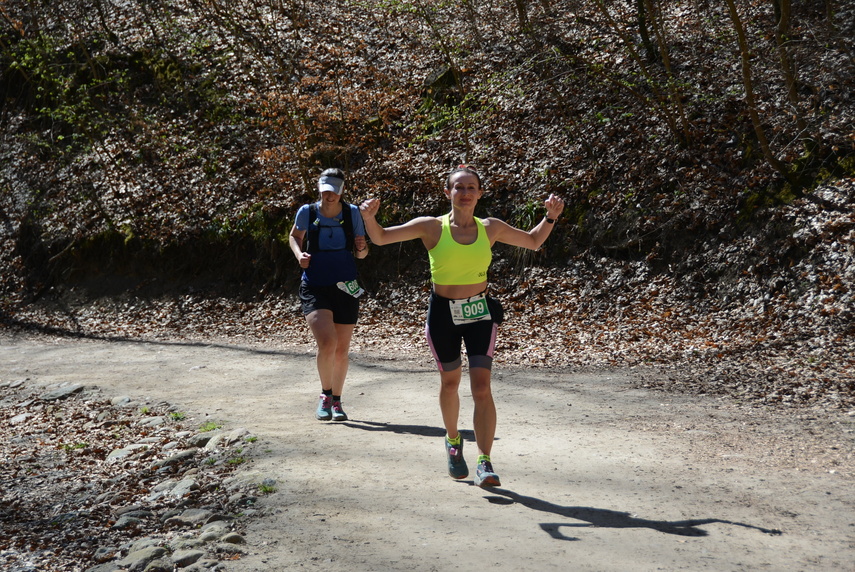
[305, 259]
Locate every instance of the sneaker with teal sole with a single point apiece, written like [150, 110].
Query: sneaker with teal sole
[456, 463]
[324, 412]
[484, 475]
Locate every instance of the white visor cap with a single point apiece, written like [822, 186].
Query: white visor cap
[332, 184]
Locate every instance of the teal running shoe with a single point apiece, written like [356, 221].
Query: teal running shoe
[338, 413]
[485, 477]
[456, 464]
[324, 412]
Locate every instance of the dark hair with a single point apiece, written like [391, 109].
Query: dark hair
[462, 169]
[333, 172]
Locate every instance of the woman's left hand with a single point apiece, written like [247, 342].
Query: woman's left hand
[369, 207]
[554, 206]
[360, 245]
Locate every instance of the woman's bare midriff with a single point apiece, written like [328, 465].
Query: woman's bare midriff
[459, 291]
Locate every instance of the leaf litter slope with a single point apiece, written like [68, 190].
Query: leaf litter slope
[670, 255]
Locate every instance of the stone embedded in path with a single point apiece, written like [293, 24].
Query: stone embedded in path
[183, 488]
[184, 558]
[190, 517]
[61, 393]
[138, 560]
[118, 454]
[120, 401]
[176, 459]
[18, 419]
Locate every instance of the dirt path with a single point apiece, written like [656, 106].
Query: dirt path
[597, 475]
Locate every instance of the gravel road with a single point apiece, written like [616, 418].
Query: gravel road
[597, 473]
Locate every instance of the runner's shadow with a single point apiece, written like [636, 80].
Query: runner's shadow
[60, 332]
[604, 518]
[422, 430]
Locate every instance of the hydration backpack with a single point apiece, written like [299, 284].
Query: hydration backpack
[312, 242]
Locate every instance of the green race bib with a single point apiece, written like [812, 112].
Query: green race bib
[352, 287]
[470, 310]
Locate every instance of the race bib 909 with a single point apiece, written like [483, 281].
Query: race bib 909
[473, 309]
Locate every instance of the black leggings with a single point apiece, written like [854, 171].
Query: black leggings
[444, 337]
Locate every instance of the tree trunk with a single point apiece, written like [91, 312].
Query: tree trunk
[650, 50]
[782, 31]
[749, 91]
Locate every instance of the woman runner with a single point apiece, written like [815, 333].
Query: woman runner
[328, 288]
[459, 247]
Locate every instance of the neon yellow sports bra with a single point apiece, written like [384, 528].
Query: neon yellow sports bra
[452, 263]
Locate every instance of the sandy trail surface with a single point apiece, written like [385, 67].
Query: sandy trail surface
[597, 473]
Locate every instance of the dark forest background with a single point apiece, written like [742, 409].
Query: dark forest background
[154, 154]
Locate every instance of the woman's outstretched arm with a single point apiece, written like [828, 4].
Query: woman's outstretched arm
[419, 227]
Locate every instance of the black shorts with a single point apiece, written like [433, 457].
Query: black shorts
[444, 336]
[345, 308]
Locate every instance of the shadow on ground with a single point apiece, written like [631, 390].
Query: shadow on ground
[604, 518]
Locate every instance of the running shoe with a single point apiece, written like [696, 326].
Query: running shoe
[324, 412]
[338, 413]
[484, 475]
[456, 464]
